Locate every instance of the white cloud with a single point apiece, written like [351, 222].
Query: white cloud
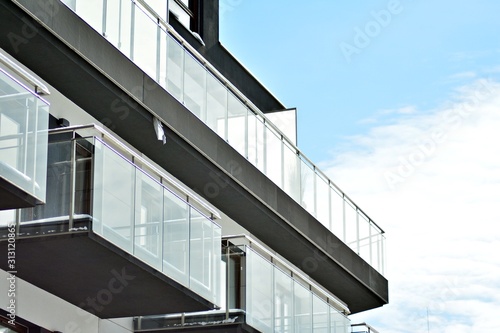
[432, 181]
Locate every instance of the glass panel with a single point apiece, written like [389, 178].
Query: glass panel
[286, 121]
[216, 105]
[114, 183]
[58, 194]
[176, 238]
[194, 86]
[256, 146]
[350, 226]
[303, 308]
[273, 156]
[322, 201]
[145, 42]
[338, 322]
[201, 254]
[148, 217]
[23, 138]
[91, 11]
[283, 302]
[160, 7]
[163, 58]
[175, 68]
[337, 211]
[307, 187]
[364, 238]
[291, 172]
[320, 315]
[374, 247]
[259, 292]
[236, 124]
[118, 28]
[217, 265]
[83, 177]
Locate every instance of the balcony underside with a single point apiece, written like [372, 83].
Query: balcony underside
[81, 266]
[193, 153]
[12, 196]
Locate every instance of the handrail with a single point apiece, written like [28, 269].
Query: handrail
[40, 88]
[173, 182]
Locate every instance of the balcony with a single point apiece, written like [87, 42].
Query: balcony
[263, 294]
[81, 62]
[23, 139]
[135, 26]
[112, 217]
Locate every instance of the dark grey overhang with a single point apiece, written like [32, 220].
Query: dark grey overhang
[89, 272]
[121, 96]
[12, 196]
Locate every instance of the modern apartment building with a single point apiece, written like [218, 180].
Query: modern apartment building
[150, 183]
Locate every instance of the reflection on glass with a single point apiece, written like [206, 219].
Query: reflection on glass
[149, 211]
[168, 233]
[256, 143]
[277, 302]
[194, 86]
[216, 106]
[145, 42]
[236, 124]
[273, 148]
[259, 292]
[283, 302]
[175, 68]
[337, 212]
[351, 225]
[322, 200]
[176, 238]
[23, 137]
[307, 187]
[114, 196]
[92, 11]
[118, 28]
[320, 315]
[291, 172]
[201, 254]
[302, 307]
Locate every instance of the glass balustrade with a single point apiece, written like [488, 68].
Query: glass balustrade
[136, 30]
[277, 302]
[24, 119]
[129, 205]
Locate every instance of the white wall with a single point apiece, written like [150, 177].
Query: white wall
[55, 314]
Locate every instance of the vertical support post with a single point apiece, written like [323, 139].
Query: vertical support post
[104, 16]
[344, 231]
[158, 50]
[132, 30]
[35, 146]
[72, 183]
[228, 258]
[357, 231]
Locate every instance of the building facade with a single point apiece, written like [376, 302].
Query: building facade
[150, 183]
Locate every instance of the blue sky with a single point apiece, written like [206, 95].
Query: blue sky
[408, 125]
[427, 49]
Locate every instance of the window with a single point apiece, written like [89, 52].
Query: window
[186, 12]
